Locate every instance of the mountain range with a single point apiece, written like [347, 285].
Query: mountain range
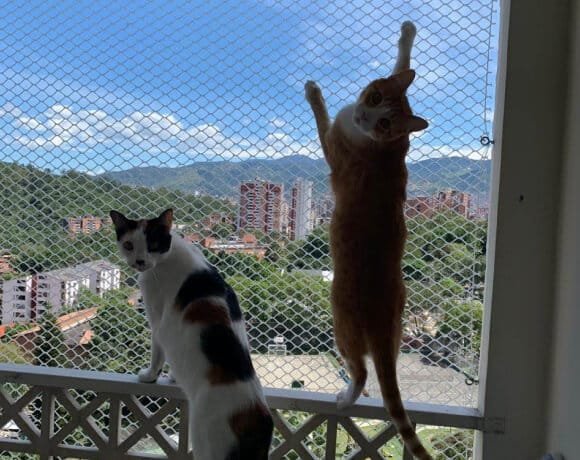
[223, 178]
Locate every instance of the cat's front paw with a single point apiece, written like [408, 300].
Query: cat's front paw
[312, 91]
[147, 375]
[344, 399]
[408, 32]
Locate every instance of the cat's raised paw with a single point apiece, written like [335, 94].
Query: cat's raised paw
[312, 91]
[408, 30]
[147, 375]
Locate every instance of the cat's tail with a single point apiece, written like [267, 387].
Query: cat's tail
[385, 361]
[408, 33]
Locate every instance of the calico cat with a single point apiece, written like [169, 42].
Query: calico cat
[197, 327]
[365, 148]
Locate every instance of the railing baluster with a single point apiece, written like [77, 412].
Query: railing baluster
[46, 424]
[183, 447]
[114, 421]
[331, 429]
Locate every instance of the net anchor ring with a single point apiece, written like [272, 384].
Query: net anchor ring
[486, 140]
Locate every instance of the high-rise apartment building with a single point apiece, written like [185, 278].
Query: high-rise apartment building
[260, 206]
[301, 219]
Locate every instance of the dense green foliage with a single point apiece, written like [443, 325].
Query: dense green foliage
[12, 353]
[50, 348]
[121, 336]
[39, 201]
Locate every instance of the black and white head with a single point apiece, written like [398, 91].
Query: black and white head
[145, 242]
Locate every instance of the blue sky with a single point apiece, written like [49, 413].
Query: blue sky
[101, 85]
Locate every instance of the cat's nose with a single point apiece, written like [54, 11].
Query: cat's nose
[140, 262]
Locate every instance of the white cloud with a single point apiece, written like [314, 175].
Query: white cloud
[152, 132]
[278, 122]
[10, 109]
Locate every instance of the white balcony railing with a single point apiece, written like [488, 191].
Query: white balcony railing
[82, 414]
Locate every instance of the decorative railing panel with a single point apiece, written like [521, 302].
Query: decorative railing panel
[56, 413]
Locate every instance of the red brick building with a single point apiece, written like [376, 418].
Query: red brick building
[445, 200]
[85, 224]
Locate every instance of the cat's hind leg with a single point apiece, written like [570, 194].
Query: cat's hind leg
[211, 437]
[358, 377]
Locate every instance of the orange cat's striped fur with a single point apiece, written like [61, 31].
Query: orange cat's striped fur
[365, 148]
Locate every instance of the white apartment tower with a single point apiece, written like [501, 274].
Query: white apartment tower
[16, 300]
[301, 219]
[103, 275]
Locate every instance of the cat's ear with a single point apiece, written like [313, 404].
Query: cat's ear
[404, 79]
[166, 218]
[413, 124]
[119, 220]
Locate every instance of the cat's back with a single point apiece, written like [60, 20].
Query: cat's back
[202, 319]
[203, 335]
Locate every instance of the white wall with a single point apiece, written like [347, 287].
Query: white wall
[564, 426]
[530, 116]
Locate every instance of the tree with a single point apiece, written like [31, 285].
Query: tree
[222, 230]
[292, 305]
[466, 319]
[50, 348]
[240, 264]
[451, 443]
[87, 299]
[12, 353]
[121, 336]
[312, 252]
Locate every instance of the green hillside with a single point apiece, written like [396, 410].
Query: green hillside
[223, 178]
[35, 203]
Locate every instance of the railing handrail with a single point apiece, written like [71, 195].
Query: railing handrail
[322, 403]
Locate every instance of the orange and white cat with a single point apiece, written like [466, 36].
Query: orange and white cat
[366, 148]
[198, 328]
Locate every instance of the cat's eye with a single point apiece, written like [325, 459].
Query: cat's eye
[384, 123]
[376, 98]
[128, 246]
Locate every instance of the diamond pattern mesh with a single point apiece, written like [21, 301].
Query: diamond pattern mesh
[199, 106]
